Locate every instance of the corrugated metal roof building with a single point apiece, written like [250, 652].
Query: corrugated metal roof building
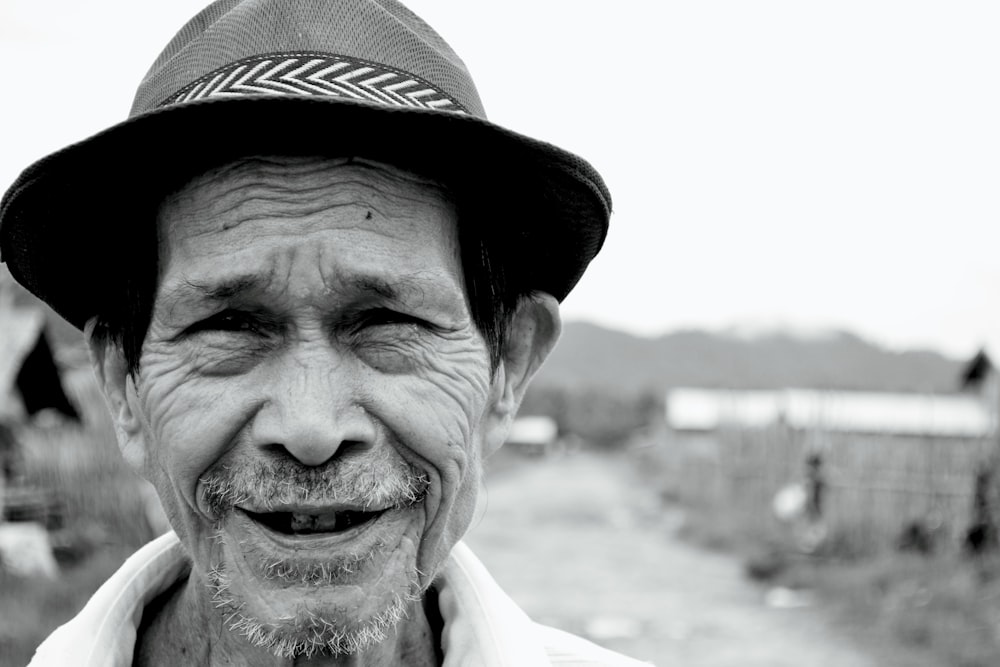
[837, 411]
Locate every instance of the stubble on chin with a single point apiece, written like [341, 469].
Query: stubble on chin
[309, 632]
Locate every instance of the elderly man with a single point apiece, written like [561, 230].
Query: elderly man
[315, 282]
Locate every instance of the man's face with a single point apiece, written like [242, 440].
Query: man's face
[313, 398]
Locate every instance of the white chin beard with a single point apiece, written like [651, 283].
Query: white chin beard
[309, 636]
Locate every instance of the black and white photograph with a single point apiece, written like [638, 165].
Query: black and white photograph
[461, 333]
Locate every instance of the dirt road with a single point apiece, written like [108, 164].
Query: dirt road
[582, 546]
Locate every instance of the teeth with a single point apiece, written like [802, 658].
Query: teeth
[303, 523]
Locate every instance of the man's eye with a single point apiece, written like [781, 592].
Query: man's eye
[386, 317]
[229, 321]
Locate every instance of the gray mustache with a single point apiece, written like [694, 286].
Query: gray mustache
[378, 481]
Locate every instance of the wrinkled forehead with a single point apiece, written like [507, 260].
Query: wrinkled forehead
[371, 212]
[300, 186]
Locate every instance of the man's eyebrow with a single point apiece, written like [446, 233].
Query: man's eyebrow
[399, 289]
[224, 290]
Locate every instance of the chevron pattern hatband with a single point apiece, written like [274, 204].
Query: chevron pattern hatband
[317, 74]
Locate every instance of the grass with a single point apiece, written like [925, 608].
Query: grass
[942, 609]
[947, 605]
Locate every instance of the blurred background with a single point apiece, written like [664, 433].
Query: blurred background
[769, 434]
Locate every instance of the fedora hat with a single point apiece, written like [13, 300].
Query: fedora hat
[336, 78]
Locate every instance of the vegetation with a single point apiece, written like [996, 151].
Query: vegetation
[602, 418]
[100, 521]
[947, 606]
[941, 608]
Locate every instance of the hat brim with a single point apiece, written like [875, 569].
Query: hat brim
[63, 221]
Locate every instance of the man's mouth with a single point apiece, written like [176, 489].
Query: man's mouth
[321, 523]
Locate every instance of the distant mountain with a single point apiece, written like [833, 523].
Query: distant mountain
[590, 356]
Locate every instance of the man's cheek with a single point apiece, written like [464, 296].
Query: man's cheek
[449, 513]
[434, 417]
[185, 444]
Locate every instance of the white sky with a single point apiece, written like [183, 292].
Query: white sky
[799, 163]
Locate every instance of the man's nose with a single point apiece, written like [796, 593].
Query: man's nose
[311, 410]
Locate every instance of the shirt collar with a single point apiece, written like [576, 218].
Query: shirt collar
[482, 625]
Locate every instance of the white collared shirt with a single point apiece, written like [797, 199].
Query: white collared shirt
[482, 625]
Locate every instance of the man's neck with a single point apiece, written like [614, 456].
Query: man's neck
[182, 627]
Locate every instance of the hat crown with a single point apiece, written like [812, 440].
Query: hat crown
[382, 32]
[297, 77]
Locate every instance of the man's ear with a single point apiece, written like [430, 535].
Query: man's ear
[533, 333]
[118, 388]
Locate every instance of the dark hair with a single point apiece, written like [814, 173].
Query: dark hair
[492, 289]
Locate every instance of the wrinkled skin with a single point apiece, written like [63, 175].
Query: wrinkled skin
[313, 311]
